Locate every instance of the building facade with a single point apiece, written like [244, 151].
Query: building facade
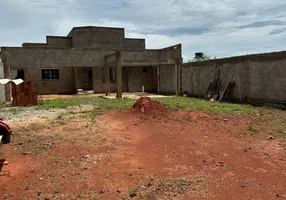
[93, 58]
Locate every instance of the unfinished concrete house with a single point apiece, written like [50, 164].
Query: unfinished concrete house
[93, 58]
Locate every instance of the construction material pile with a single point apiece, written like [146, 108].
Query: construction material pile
[147, 105]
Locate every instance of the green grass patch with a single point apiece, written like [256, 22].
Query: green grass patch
[189, 104]
[99, 102]
[193, 104]
[175, 102]
[282, 131]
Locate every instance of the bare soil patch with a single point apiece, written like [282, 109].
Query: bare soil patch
[131, 155]
[147, 105]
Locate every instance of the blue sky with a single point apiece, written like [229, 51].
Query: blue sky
[218, 28]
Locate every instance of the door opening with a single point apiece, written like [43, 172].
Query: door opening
[20, 74]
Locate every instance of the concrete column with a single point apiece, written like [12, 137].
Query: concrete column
[107, 77]
[176, 78]
[118, 75]
[2, 87]
[178, 74]
[7, 86]
[158, 77]
[180, 80]
[75, 80]
[94, 75]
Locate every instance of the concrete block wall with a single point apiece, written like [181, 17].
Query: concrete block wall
[83, 81]
[147, 56]
[97, 37]
[139, 76]
[133, 44]
[258, 78]
[133, 78]
[171, 53]
[58, 42]
[2, 87]
[30, 45]
[65, 84]
[99, 81]
[92, 37]
[13, 73]
[104, 37]
[46, 57]
[167, 79]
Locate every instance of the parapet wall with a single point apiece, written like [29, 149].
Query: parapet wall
[59, 42]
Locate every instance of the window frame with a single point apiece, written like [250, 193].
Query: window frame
[54, 74]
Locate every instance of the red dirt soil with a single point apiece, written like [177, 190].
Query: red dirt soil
[147, 105]
[128, 146]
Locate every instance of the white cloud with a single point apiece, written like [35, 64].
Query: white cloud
[218, 28]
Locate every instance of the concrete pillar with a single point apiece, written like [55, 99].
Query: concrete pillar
[75, 80]
[7, 86]
[94, 75]
[158, 78]
[176, 78]
[2, 87]
[118, 75]
[180, 80]
[179, 77]
[107, 77]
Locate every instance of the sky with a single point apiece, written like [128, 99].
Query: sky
[219, 29]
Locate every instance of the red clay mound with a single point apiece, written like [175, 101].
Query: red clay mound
[147, 105]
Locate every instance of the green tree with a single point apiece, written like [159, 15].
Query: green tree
[202, 57]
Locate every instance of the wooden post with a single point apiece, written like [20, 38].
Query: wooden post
[118, 75]
[107, 77]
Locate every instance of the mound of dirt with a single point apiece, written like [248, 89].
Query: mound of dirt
[147, 105]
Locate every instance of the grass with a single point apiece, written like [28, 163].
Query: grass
[182, 181]
[150, 180]
[133, 192]
[282, 131]
[102, 104]
[193, 104]
[27, 187]
[99, 102]
[251, 128]
[80, 195]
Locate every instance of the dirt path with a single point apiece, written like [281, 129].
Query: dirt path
[170, 155]
[191, 144]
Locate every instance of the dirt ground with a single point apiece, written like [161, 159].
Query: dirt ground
[132, 155]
